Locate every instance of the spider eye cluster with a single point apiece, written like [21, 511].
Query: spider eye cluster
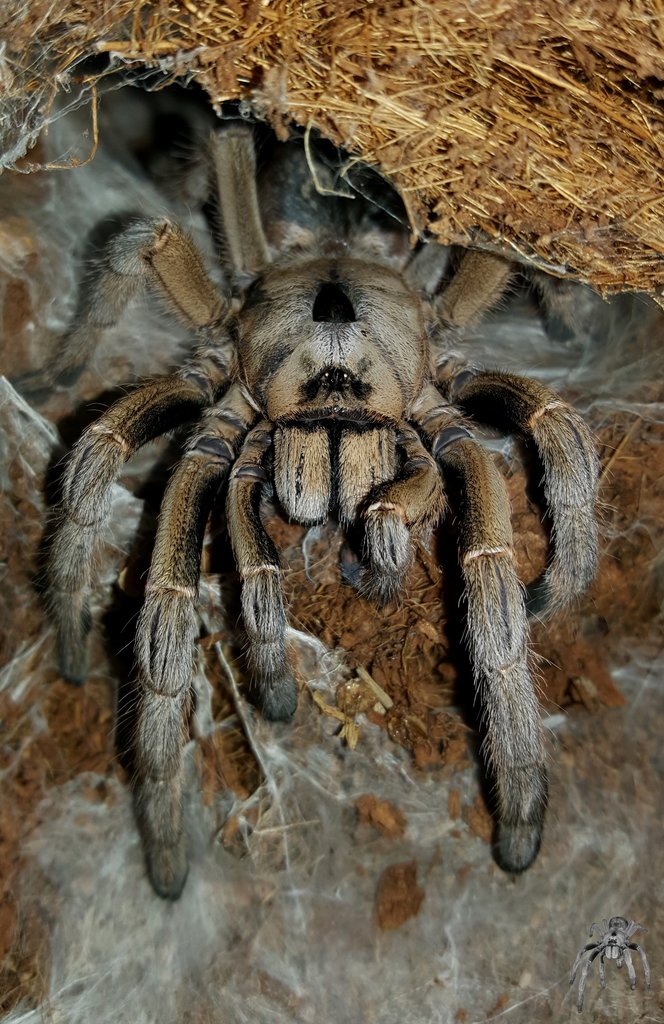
[343, 376]
[335, 380]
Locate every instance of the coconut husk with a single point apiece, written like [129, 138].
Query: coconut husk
[534, 128]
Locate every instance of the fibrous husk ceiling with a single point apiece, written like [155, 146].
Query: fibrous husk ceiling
[534, 127]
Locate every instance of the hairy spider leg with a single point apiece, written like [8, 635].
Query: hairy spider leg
[166, 633]
[480, 280]
[497, 632]
[149, 253]
[584, 975]
[558, 302]
[644, 960]
[93, 467]
[479, 283]
[571, 469]
[258, 563]
[234, 166]
[631, 973]
[579, 958]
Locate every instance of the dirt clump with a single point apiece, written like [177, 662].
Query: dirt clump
[398, 896]
[383, 816]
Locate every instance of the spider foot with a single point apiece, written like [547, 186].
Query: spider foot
[168, 867]
[517, 846]
[73, 621]
[279, 699]
[158, 807]
[350, 566]
[538, 598]
[275, 684]
[381, 588]
[520, 825]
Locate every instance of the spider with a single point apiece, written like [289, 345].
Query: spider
[615, 945]
[320, 377]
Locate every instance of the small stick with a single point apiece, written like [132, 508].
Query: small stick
[378, 692]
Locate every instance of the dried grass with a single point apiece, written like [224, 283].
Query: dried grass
[536, 127]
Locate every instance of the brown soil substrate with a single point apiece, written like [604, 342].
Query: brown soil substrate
[398, 896]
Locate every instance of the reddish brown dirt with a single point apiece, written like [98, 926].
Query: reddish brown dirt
[478, 819]
[381, 815]
[398, 896]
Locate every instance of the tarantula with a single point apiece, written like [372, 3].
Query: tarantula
[614, 944]
[321, 377]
